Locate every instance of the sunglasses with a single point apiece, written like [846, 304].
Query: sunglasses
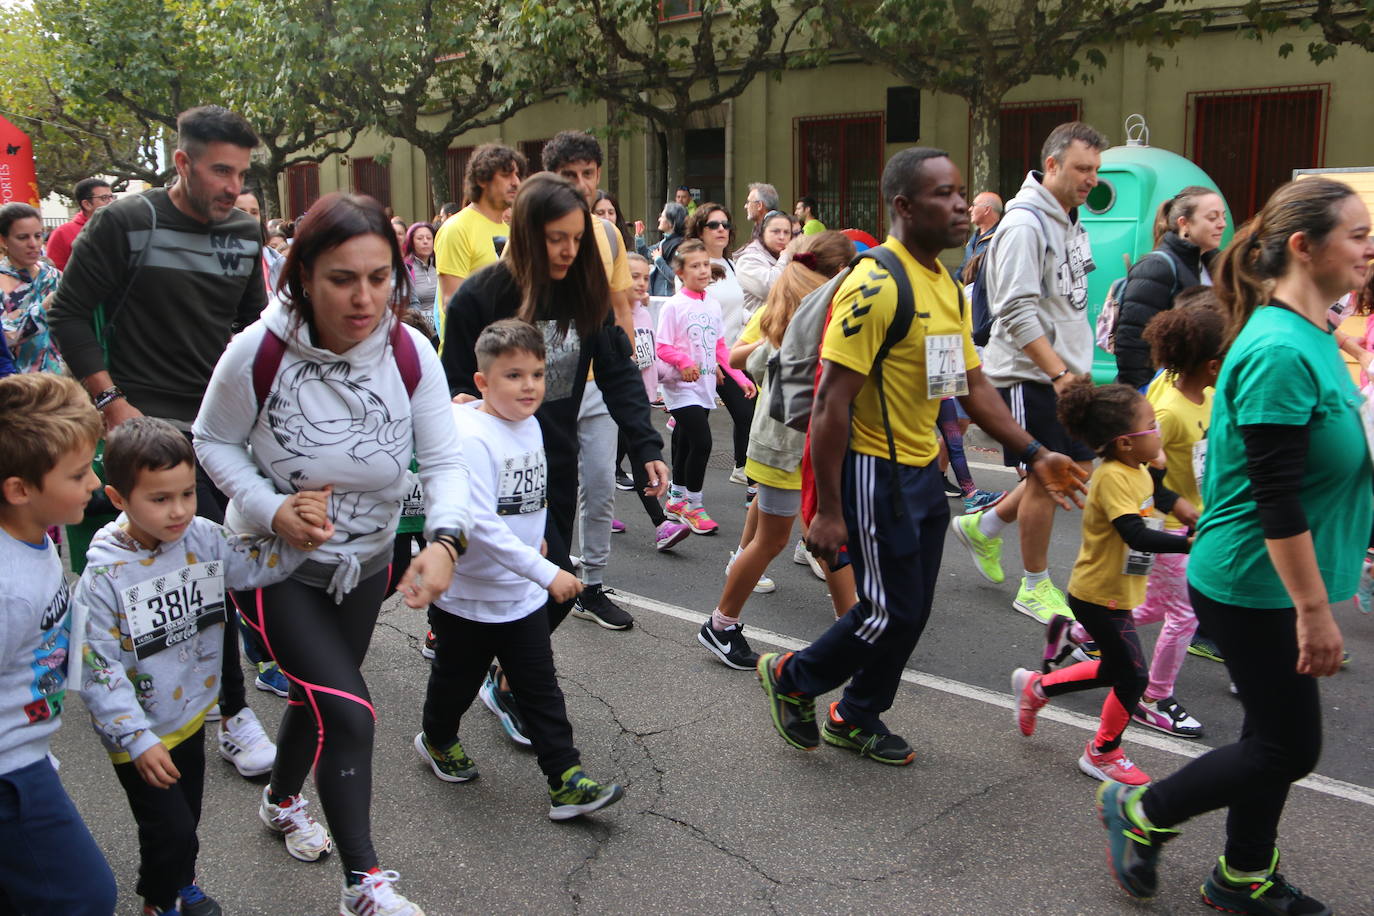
[718, 224]
[1144, 432]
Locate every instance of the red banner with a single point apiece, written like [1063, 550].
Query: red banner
[18, 180]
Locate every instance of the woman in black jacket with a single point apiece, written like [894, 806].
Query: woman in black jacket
[1188, 231]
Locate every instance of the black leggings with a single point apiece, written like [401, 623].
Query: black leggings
[1280, 738]
[465, 650]
[691, 446]
[167, 820]
[1122, 668]
[741, 410]
[329, 718]
[652, 507]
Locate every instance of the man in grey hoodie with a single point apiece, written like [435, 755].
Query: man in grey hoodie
[1041, 341]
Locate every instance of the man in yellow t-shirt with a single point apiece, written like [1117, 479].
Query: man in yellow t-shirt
[476, 236]
[892, 514]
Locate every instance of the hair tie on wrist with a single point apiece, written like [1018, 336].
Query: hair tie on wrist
[806, 259]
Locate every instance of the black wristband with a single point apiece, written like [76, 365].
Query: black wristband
[452, 538]
[1062, 373]
[1028, 453]
[108, 397]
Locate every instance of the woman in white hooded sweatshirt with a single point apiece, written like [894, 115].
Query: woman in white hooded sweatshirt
[331, 391]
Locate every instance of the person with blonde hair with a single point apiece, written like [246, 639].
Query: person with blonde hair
[775, 452]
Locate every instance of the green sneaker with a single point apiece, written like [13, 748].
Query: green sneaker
[451, 764]
[580, 794]
[793, 714]
[986, 551]
[1132, 850]
[884, 748]
[1042, 602]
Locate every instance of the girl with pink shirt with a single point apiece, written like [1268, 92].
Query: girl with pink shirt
[690, 341]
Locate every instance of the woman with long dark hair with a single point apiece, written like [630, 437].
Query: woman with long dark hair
[1287, 518]
[552, 275]
[332, 391]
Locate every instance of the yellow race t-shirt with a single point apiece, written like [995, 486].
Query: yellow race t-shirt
[864, 307]
[617, 262]
[1100, 574]
[1182, 424]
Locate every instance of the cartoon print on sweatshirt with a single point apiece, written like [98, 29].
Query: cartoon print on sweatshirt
[319, 410]
[49, 667]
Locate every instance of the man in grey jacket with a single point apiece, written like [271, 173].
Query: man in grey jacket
[1041, 341]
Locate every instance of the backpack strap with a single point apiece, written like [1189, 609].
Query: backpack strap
[271, 350]
[266, 362]
[407, 357]
[612, 237]
[896, 332]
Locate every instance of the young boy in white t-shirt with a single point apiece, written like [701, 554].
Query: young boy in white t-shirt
[495, 606]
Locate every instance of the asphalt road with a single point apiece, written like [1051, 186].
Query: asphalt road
[721, 817]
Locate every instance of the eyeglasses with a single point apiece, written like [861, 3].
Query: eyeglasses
[103, 198]
[1143, 432]
[718, 224]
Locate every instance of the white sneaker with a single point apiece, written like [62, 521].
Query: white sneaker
[738, 476]
[374, 896]
[764, 586]
[243, 743]
[802, 557]
[306, 839]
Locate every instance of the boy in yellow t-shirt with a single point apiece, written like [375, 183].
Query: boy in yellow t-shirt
[1108, 578]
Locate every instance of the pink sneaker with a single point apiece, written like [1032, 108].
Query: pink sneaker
[697, 519]
[1028, 703]
[670, 534]
[1112, 766]
[675, 509]
[617, 526]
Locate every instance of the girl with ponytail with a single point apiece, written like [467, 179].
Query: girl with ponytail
[1287, 481]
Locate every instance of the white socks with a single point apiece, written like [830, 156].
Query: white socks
[990, 525]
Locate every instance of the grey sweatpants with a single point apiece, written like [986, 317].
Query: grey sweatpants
[596, 439]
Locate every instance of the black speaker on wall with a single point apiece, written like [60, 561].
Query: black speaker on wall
[903, 114]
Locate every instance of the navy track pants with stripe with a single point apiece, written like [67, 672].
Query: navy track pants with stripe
[896, 563]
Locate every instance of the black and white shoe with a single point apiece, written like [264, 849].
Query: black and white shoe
[729, 645]
[623, 481]
[593, 605]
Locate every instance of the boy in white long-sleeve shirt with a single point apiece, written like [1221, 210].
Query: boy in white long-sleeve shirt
[495, 607]
[147, 632]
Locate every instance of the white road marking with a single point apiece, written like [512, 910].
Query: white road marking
[1336, 788]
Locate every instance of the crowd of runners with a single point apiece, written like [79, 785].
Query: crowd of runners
[255, 432]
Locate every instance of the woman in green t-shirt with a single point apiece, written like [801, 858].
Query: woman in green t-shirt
[1288, 511]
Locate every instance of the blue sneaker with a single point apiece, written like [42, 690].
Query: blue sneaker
[502, 705]
[979, 500]
[1132, 850]
[271, 679]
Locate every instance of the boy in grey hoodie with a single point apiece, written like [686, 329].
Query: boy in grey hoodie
[1037, 276]
[147, 637]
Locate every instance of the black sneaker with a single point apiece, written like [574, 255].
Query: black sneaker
[794, 714]
[593, 605]
[882, 747]
[1273, 896]
[623, 481]
[952, 489]
[195, 903]
[431, 641]
[504, 706]
[728, 645]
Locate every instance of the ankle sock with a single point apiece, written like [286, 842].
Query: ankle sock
[694, 498]
[990, 525]
[720, 622]
[676, 493]
[1034, 578]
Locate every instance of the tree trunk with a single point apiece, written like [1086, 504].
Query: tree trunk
[610, 177]
[675, 143]
[269, 174]
[985, 137]
[436, 162]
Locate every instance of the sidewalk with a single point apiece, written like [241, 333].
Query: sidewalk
[719, 815]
